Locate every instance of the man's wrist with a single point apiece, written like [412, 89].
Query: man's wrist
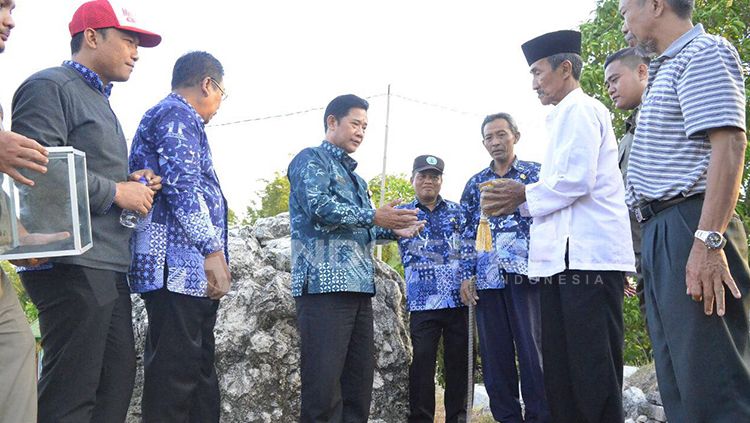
[713, 240]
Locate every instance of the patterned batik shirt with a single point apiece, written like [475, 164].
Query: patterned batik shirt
[188, 220]
[510, 234]
[431, 259]
[331, 214]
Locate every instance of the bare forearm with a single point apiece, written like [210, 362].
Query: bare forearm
[723, 179]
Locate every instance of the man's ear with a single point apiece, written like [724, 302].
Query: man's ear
[642, 71]
[331, 121]
[205, 86]
[656, 7]
[90, 38]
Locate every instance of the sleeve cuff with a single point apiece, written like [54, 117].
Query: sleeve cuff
[110, 201]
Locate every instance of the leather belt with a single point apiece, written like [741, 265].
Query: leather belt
[649, 210]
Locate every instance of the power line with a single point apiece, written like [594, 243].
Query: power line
[315, 109]
[437, 106]
[282, 115]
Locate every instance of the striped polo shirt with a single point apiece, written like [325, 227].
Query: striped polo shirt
[694, 86]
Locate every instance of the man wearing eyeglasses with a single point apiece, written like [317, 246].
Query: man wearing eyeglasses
[508, 310]
[179, 252]
[433, 283]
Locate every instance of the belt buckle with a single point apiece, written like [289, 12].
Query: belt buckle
[638, 214]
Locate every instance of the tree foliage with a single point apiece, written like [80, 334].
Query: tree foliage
[28, 307]
[274, 199]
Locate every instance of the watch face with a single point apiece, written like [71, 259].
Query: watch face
[713, 240]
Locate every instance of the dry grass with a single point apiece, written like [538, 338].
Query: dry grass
[440, 410]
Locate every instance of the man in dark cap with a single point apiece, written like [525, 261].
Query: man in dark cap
[684, 179]
[334, 229]
[508, 309]
[84, 302]
[433, 281]
[577, 244]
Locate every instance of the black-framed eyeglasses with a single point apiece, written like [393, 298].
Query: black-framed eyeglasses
[224, 94]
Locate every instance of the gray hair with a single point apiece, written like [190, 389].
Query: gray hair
[505, 116]
[575, 60]
[682, 8]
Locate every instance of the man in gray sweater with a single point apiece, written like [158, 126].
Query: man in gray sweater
[84, 302]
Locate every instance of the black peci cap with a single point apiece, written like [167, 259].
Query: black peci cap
[550, 44]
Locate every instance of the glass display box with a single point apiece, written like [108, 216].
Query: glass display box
[51, 218]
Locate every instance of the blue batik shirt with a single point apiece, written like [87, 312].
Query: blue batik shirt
[431, 259]
[188, 220]
[510, 234]
[331, 214]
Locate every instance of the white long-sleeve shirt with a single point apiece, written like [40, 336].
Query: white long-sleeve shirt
[579, 201]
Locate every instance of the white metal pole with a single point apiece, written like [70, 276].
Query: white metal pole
[385, 158]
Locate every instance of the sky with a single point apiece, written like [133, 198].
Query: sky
[288, 56]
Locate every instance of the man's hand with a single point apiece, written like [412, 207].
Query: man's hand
[218, 275]
[502, 197]
[26, 238]
[469, 292]
[154, 180]
[17, 151]
[390, 217]
[134, 196]
[705, 276]
[411, 231]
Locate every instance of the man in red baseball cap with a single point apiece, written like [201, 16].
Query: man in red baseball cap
[88, 370]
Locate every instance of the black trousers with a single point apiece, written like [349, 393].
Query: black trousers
[180, 383]
[702, 362]
[88, 370]
[337, 355]
[509, 326]
[426, 329]
[582, 343]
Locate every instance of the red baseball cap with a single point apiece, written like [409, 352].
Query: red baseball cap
[98, 14]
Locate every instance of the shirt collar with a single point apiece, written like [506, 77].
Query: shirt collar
[438, 203]
[681, 42]
[339, 154]
[90, 77]
[181, 99]
[515, 165]
[631, 121]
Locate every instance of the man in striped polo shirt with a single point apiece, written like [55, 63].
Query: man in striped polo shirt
[683, 183]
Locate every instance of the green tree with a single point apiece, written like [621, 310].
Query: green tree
[26, 304]
[274, 199]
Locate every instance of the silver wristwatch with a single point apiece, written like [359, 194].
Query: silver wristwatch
[713, 240]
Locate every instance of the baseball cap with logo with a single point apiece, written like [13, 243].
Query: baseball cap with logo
[422, 163]
[109, 14]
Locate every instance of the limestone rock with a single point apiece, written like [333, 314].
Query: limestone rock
[257, 344]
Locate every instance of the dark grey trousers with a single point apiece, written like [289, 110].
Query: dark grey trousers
[702, 362]
[337, 355]
[88, 370]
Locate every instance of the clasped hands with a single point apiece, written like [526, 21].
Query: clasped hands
[133, 195]
[501, 197]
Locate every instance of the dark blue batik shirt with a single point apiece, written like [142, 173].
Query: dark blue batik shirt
[432, 259]
[188, 220]
[510, 234]
[331, 215]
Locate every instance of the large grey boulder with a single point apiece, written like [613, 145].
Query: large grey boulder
[257, 345]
